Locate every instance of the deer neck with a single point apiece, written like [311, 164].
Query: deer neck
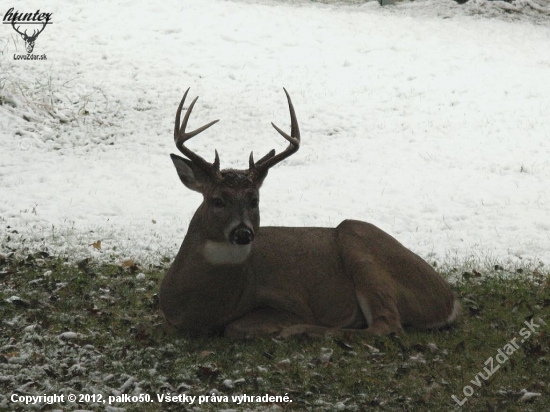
[212, 252]
[225, 253]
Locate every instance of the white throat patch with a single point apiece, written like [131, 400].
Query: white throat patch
[219, 253]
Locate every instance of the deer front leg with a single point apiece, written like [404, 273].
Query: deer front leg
[314, 331]
[260, 322]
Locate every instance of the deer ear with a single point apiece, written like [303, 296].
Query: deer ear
[190, 175]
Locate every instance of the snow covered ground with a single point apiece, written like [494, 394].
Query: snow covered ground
[428, 119]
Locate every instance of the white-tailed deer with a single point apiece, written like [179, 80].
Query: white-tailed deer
[231, 274]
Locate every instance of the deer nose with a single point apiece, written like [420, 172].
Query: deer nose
[241, 235]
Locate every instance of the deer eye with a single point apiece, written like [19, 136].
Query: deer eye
[218, 202]
[254, 202]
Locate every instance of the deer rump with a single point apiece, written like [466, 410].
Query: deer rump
[232, 275]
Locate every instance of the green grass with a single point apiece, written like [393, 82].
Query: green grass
[120, 338]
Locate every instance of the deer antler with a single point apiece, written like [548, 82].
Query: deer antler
[270, 159]
[181, 136]
[25, 36]
[35, 35]
[22, 34]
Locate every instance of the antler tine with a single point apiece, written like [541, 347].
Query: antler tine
[271, 159]
[13, 25]
[34, 35]
[181, 136]
[251, 163]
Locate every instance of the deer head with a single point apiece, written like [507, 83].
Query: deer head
[29, 40]
[229, 213]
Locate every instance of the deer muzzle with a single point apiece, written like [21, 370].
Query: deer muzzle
[241, 235]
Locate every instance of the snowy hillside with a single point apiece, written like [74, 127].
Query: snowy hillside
[428, 119]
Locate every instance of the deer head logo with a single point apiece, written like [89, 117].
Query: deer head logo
[29, 40]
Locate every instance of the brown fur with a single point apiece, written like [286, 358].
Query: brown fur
[288, 280]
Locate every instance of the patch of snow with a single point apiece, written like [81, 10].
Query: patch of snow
[69, 335]
[428, 119]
